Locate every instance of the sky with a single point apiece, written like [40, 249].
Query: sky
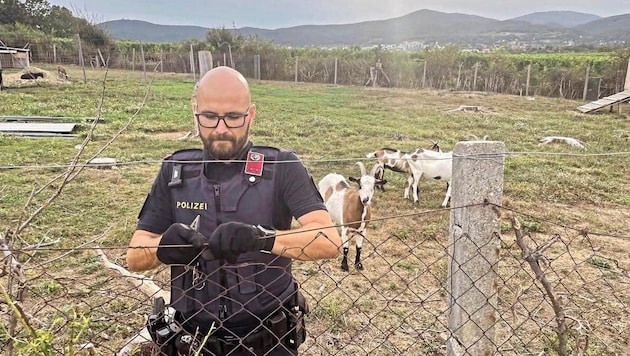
[272, 14]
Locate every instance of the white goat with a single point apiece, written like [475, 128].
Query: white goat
[350, 207]
[390, 158]
[426, 164]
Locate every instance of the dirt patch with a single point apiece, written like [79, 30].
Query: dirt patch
[14, 79]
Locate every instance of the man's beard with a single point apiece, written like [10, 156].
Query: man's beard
[224, 147]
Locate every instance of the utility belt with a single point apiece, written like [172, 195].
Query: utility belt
[286, 326]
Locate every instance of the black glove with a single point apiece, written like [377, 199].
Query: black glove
[233, 238]
[180, 234]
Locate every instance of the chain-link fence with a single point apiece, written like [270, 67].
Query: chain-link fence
[557, 290]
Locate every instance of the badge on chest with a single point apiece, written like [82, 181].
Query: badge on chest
[254, 163]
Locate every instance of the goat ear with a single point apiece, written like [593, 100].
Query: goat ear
[352, 179]
[382, 181]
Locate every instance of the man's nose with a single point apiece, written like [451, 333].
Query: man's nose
[221, 127]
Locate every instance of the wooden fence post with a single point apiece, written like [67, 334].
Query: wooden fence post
[296, 69]
[144, 64]
[474, 86]
[424, 73]
[335, 77]
[161, 60]
[529, 71]
[192, 63]
[102, 59]
[588, 70]
[626, 85]
[81, 59]
[257, 66]
[474, 247]
[54, 54]
[133, 59]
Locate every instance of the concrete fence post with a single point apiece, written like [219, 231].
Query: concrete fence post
[474, 247]
[205, 62]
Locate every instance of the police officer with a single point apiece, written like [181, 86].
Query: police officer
[231, 280]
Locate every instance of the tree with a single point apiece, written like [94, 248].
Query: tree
[219, 38]
[12, 12]
[60, 22]
[37, 12]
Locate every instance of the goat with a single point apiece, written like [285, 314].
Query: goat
[349, 207]
[390, 158]
[61, 71]
[429, 164]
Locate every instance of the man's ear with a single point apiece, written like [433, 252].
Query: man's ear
[252, 113]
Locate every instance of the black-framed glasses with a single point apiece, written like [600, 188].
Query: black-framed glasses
[232, 120]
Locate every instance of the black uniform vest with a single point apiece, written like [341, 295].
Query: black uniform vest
[215, 291]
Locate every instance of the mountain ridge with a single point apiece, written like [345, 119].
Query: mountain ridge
[425, 26]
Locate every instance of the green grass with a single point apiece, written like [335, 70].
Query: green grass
[330, 128]
[319, 122]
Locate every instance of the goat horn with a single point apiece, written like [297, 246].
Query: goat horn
[362, 167]
[374, 169]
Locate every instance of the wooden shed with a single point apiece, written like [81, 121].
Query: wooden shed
[14, 57]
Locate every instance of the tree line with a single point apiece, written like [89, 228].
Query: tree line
[23, 22]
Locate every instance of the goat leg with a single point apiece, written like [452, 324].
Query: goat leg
[344, 261]
[357, 260]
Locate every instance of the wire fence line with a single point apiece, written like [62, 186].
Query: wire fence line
[571, 79]
[307, 160]
[397, 305]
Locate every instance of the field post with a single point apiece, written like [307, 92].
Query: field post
[424, 73]
[144, 65]
[133, 59]
[54, 54]
[161, 60]
[192, 63]
[529, 72]
[588, 69]
[474, 86]
[81, 59]
[257, 66]
[102, 59]
[336, 62]
[626, 85]
[205, 62]
[296, 69]
[474, 247]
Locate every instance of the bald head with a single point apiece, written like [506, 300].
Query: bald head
[223, 94]
[223, 83]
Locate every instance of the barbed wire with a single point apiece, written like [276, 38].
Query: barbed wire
[331, 160]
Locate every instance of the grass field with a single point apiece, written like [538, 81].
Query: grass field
[330, 128]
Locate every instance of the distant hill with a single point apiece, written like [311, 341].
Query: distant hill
[422, 25]
[425, 26]
[558, 18]
[150, 32]
[613, 27]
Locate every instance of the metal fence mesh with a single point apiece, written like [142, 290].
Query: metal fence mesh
[397, 305]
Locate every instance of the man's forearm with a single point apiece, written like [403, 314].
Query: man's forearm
[308, 243]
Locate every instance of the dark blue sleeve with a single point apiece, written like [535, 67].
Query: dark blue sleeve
[298, 190]
[155, 215]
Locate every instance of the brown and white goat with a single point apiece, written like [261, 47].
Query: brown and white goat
[350, 207]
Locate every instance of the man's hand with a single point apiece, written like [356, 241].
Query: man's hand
[180, 234]
[233, 238]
